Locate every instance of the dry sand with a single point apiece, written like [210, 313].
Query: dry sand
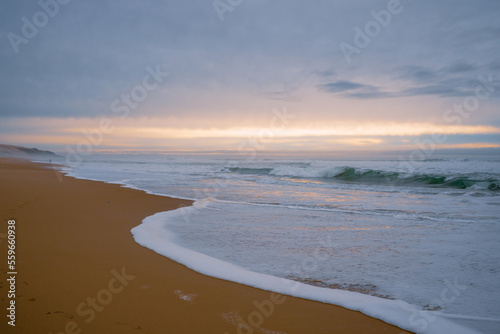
[80, 271]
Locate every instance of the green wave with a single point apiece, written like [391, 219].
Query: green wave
[368, 176]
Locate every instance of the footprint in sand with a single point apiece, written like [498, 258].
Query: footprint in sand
[61, 314]
[189, 297]
[129, 327]
[233, 318]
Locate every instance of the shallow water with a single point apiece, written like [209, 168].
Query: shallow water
[427, 235]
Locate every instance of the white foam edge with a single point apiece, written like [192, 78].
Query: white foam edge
[153, 234]
[67, 171]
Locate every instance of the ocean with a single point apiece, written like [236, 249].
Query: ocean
[413, 242]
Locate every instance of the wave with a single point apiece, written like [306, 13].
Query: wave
[370, 176]
[154, 234]
[243, 170]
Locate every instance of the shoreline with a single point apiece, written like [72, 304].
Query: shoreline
[80, 269]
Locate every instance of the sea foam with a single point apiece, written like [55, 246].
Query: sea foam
[155, 235]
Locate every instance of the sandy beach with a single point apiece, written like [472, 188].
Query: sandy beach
[80, 271]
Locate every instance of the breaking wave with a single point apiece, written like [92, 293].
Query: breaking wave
[369, 176]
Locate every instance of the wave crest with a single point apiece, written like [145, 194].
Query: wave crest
[370, 176]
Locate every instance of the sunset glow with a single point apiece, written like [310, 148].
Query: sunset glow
[123, 133]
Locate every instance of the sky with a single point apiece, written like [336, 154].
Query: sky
[238, 75]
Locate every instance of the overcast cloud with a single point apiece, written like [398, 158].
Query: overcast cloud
[263, 54]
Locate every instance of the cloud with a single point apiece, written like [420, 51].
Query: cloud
[455, 80]
[448, 81]
[494, 65]
[444, 88]
[94, 50]
[325, 74]
[423, 74]
[342, 86]
[461, 67]
[439, 90]
[350, 89]
[354, 90]
[265, 54]
[416, 73]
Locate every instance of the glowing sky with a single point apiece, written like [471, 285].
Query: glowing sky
[232, 75]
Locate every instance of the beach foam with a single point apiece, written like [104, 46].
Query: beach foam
[154, 234]
[404, 240]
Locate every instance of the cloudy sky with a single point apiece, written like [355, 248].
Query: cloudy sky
[235, 74]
